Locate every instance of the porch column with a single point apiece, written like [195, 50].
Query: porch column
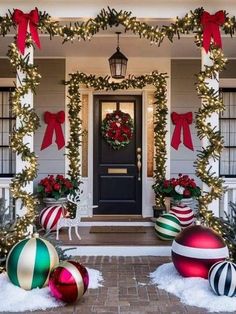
[214, 121]
[29, 140]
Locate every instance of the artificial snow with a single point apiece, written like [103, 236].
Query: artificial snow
[191, 291]
[15, 299]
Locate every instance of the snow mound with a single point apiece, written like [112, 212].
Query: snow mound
[191, 291]
[15, 299]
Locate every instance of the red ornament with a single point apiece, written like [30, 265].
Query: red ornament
[69, 281]
[50, 216]
[184, 214]
[196, 249]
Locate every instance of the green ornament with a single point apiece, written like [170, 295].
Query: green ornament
[29, 263]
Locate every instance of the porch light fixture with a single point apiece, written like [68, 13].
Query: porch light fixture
[118, 62]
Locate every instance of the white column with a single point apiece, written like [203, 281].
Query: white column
[27, 99]
[214, 121]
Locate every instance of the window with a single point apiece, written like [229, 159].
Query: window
[228, 131]
[7, 123]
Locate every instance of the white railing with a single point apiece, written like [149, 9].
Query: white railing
[5, 195]
[229, 196]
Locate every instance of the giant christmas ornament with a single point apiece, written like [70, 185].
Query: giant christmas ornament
[167, 227]
[50, 216]
[196, 249]
[69, 281]
[184, 214]
[222, 278]
[30, 261]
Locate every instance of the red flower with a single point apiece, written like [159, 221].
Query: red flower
[166, 183]
[186, 193]
[57, 186]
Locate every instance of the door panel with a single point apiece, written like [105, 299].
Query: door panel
[117, 188]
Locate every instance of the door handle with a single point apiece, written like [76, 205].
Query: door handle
[139, 163]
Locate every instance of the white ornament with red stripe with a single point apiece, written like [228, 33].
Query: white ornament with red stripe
[196, 249]
[50, 216]
[184, 214]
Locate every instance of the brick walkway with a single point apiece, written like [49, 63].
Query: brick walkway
[126, 289]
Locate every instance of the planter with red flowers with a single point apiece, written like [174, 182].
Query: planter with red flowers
[181, 190]
[117, 129]
[54, 189]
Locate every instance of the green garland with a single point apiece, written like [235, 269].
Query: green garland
[29, 122]
[103, 83]
[75, 139]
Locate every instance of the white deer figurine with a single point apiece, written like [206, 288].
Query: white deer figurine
[82, 210]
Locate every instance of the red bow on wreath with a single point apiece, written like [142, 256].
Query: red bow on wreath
[182, 122]
[211, 28]
[23, 20]
[53, 121]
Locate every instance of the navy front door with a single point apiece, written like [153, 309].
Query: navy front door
[117, 173]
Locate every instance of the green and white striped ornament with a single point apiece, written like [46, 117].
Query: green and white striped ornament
[167, 227]
[30, 261]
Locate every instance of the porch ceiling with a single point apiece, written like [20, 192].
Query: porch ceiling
[104, 44]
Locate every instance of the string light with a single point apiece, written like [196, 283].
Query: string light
[29, 122]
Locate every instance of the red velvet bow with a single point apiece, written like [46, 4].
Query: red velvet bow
[23, 20]
[53, 121]
[211, 28]
[182, 121]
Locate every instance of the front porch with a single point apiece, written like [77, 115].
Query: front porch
[181, 67]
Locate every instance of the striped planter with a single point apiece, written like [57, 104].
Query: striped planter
[167, 227]
[184, 214]
[50, 216]
[29, 263]
[69, 281]
[222, 278]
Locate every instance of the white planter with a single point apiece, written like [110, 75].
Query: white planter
[50, 201]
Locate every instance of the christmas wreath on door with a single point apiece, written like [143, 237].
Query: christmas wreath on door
[117, 129]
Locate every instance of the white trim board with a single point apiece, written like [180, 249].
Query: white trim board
[7, 82]
[117, 250]
[228, 82]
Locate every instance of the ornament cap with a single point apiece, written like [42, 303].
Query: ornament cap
[35, 235]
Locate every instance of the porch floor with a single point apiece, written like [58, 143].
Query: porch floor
[148, 238]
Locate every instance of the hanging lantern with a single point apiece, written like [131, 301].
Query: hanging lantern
[118, 62]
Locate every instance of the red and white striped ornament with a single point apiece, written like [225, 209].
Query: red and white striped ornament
[184, 214]
[50, 216]
[196, 249]
[69, 281]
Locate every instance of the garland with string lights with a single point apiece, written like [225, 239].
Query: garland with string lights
[103, 83]
[211, 103]
[29, 122]
[111, 17]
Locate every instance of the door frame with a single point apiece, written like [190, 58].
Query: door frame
[147, 182]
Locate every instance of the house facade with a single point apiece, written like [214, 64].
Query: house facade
[120, 181]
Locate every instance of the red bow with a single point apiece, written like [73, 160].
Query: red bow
[182, 121]
[54, 121]
[211, 28]
[23, 20]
